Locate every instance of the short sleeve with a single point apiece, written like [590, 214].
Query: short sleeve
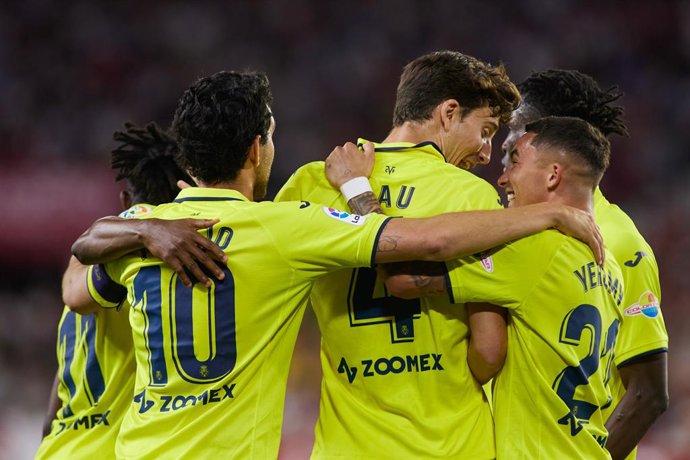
[502, 276]
[643, 331]
[104, 290]
[318, 239]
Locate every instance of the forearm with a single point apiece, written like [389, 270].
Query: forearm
[628, 423]
[645, 399]
[457, 235]
[108, 239]
[53, 406]
[488, 340]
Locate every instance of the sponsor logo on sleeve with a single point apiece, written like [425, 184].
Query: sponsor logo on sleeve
[647, 305]
[136, 211]
[353, 219]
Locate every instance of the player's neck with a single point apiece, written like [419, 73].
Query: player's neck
[412, 132]
[240, 184]
[580, 200]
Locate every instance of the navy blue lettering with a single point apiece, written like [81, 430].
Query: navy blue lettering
[214, 396]
[581, 276]
[403, 201]
[424, 363]
[385, 196]
[397, 369]
[166, 403]
[382, 371]
[82, 421]
[228, 391]
[591, 274]
[367, 368]
[437, 362]
[412, 363]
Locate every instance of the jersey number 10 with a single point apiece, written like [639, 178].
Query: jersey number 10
[220, 311]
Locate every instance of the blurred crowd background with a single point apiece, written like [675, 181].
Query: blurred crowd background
[73, 72]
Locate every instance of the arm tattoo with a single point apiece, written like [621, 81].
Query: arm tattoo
[365, 203]
[388, 243]
[430, 285]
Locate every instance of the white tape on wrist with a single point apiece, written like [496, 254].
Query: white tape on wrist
[354, 187]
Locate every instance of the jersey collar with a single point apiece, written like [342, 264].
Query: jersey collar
[600, 200]
[209, 194]
[426, 147]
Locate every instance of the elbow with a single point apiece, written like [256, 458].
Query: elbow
[486, 362]
[79, 251]
[659, 403]
[439, 248]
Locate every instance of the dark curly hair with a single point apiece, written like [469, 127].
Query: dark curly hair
[433, 78]
[146, 159]
[569, 93]
[216, 121]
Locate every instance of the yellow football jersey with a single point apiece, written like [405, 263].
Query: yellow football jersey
[642, 331]
[96, 372]
[212, 363]
[395, 377]
[563, 322]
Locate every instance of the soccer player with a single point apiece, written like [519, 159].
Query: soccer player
[639, 378]
[95, 378]
[212, 361]
[564, 309]
[396, 367]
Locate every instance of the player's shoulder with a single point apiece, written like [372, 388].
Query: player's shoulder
[138, 211]
[620, 233]
[313, 171]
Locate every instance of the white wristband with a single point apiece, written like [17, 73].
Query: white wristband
[354, 187]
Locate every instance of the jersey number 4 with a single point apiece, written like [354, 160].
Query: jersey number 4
[369, 305]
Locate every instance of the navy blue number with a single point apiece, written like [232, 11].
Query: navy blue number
[147, 290]
[220, 302]
[584, 317]
[94, 382]
[365, 309]
[67, 340]
[222, 344]
[93, 373]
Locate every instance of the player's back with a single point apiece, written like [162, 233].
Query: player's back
[564, 318]
[396, 382]
[642, 330]
[96, 372]
[212, 363]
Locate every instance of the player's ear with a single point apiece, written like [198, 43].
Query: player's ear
[555, 174]
[254, 156]
[448, 111]
[125, 199]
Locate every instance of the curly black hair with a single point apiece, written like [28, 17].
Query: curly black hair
[216, 121]
[557, 92]
[435, 77]
[146, 159]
